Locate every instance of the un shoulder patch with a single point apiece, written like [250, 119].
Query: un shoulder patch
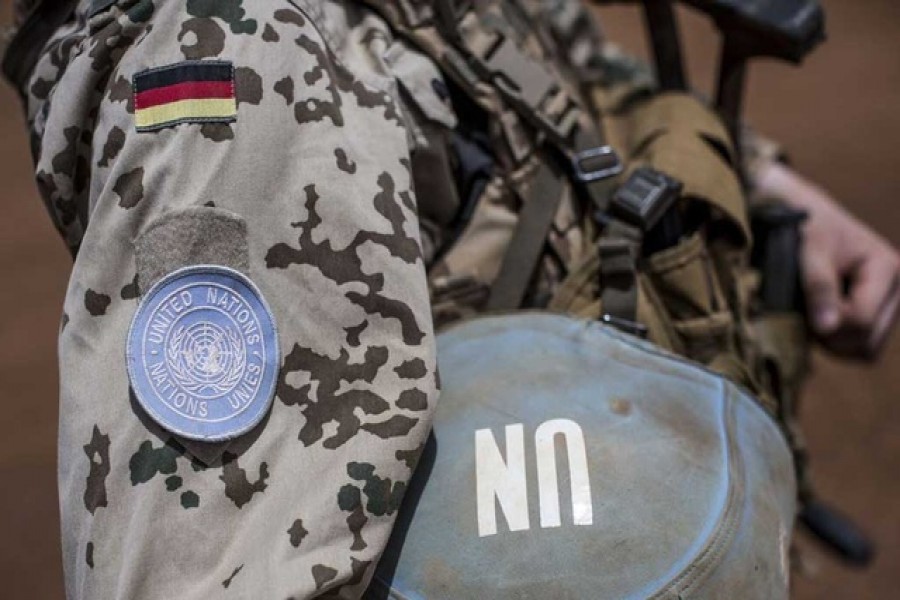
[203, 354]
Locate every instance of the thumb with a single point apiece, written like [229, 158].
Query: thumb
[822, 286]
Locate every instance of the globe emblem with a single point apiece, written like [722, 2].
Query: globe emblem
[205, 358]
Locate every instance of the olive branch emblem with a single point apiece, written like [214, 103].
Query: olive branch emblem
[177, 359]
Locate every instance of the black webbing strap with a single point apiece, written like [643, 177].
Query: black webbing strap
[619, 248]
[25, 48]
[527, 243]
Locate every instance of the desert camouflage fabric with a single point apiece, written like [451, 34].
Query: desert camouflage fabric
[313, 184]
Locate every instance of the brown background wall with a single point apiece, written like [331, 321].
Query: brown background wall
[840, 118]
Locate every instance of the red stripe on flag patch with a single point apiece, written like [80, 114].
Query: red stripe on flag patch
[188, 90]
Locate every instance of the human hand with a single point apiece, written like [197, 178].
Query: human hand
[851, 275]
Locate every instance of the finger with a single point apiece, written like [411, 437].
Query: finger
[885, 322]
[822, 286]
[873, 285]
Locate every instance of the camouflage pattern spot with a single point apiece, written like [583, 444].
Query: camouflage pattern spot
[413, 368]
[190, 500]
[231, 577]
[107, 46]
[130, 188]
[322, 575]
[217, 132]
[314, 109]
[96, 303]
[149, 462]
[63, 322]
[132, 290]
[115, 141]
[413, 399]
[376, 98]
[410, 457]
[97, 451]
[41, 88]
[122, 91]
[210, 204]
[203, 38]
[383, 496]
[89, 555]
[230, 11]
[350, 500]
[330, 406]
[140, 12]
[343, 266]
[285, 87]
[269, 34]
[356, 520]
[71, 161]
[284, 15]
[248, 87]
[396, 426]
[173, 483]
[64, 208]
[238, 487]
[353, 333]
[358, 568]
[343, 163]
[296, 533]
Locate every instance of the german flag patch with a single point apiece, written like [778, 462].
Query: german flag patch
[186, 92]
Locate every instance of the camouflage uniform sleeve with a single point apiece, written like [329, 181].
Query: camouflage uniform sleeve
[265, 137]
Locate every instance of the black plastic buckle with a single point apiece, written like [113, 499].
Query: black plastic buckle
[596, 163]
[645, 197]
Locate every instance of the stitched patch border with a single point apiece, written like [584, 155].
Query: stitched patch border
[202, 353]
[193, 91]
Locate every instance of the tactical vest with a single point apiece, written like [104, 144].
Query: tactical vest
[589, 195]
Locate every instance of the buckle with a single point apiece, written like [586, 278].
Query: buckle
[529, 86]
[645, 197]
[596, 163]
[625, 325]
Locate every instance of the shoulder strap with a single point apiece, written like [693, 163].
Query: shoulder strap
[479, 54]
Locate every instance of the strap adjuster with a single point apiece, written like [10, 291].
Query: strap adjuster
[528, 85]
[645, 197]
[593, 164]
[632, 327]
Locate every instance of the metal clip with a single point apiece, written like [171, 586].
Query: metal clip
[630, 327]
[596, 163]
[645, 197]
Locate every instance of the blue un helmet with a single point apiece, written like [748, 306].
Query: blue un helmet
[569, 460]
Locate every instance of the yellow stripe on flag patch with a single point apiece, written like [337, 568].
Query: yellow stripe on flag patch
[217, 109]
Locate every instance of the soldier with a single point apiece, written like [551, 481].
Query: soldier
[268, 201]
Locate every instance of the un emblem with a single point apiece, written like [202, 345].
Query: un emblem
[203, 354]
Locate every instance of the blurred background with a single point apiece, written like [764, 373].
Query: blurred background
[839, 118]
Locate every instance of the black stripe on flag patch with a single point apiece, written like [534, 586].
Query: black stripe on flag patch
[194, 70]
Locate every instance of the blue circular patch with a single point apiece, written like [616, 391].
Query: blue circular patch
[203, 354]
